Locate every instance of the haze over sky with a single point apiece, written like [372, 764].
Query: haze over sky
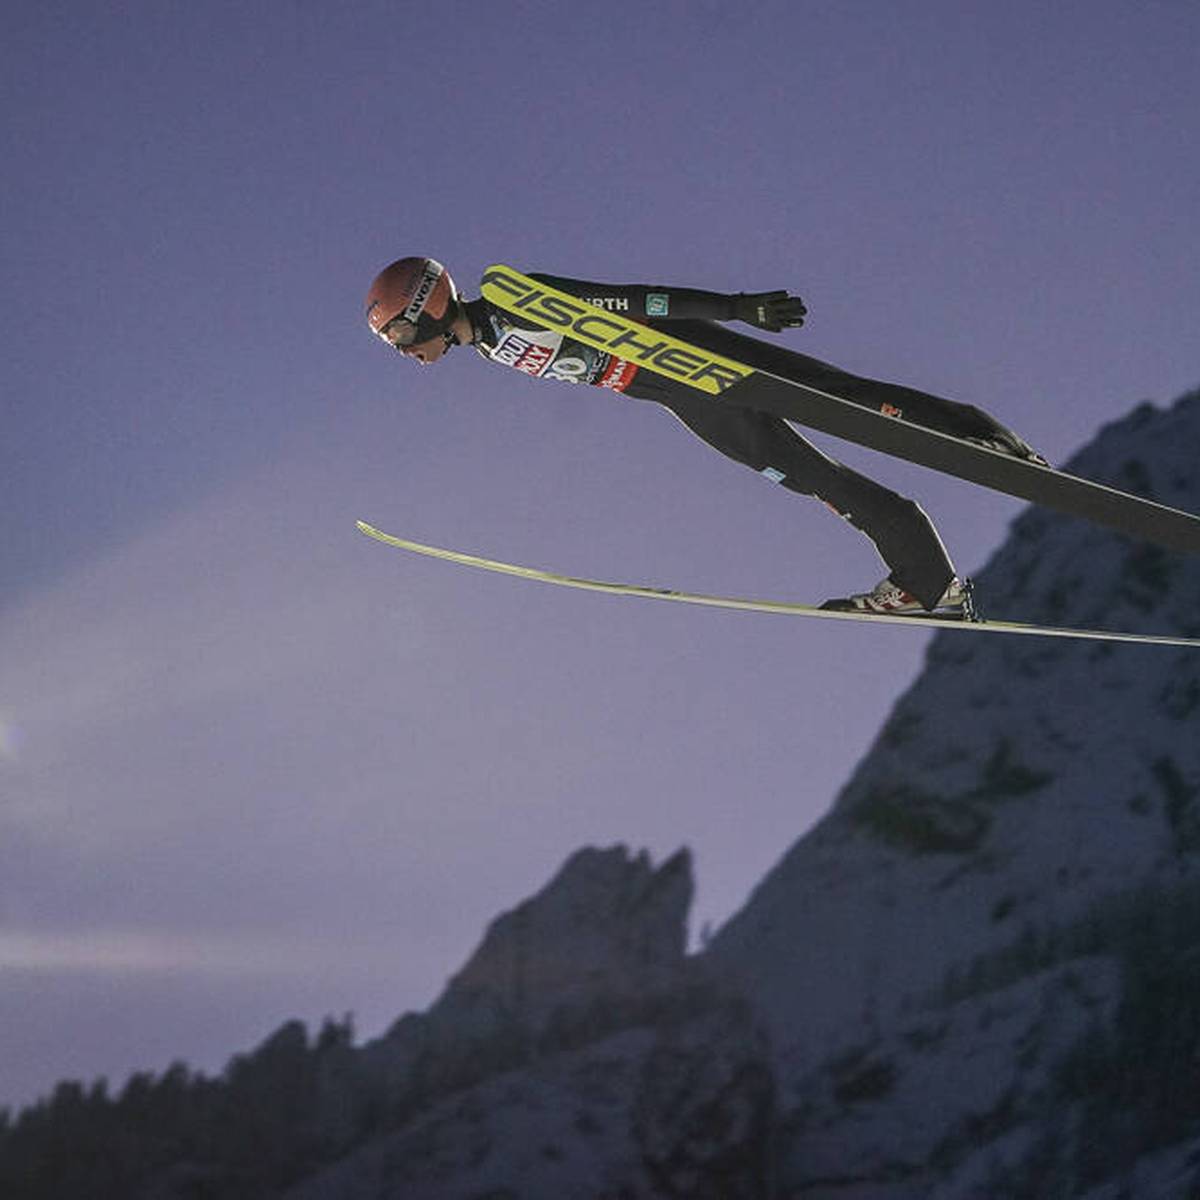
[255, 766]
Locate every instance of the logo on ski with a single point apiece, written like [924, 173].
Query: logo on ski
[612, 303]
[612, 333]
[759, 389]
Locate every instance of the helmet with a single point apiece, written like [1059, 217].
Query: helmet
[412, 300]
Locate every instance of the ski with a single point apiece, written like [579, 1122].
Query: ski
[784, 607]
[728, 381]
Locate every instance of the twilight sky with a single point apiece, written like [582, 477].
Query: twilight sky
[255, 766]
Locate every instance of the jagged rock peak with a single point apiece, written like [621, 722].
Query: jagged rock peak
[608, 923]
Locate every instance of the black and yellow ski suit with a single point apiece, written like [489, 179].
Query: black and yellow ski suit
[899, 528]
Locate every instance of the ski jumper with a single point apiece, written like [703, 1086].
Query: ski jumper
[900, 530]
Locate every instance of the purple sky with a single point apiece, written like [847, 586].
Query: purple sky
[254, 766]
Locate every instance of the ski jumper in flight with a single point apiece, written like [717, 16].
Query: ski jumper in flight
[414, 306]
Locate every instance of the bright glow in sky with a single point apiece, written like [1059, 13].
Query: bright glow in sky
[253, 766]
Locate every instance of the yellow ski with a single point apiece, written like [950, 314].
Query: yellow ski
[784, 607]
[735, 383]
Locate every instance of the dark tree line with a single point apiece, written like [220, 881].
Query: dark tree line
[291, 1107]
[272, 1117]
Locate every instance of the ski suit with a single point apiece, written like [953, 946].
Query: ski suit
[903, 535]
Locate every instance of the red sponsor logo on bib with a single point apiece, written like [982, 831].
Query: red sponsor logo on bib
[618, 375]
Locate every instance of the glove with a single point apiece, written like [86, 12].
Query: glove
[769, 310]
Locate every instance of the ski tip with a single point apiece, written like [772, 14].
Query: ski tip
[376, 534]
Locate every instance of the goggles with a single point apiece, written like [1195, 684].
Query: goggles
[401, 333]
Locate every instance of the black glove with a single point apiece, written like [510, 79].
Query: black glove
[769, 310]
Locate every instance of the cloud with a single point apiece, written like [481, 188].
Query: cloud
[208, 728]
[135, 950]
[153, 667]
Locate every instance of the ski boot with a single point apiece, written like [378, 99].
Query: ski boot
[957, 602]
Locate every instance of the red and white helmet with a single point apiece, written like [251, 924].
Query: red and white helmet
[411, 301]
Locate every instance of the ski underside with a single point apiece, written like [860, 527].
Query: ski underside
[729, 382]
[786, 608]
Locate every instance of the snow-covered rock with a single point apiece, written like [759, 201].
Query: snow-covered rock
[608, 927]
[595, 951]
[1021, 795]
[578, 1053]
[946, 984]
